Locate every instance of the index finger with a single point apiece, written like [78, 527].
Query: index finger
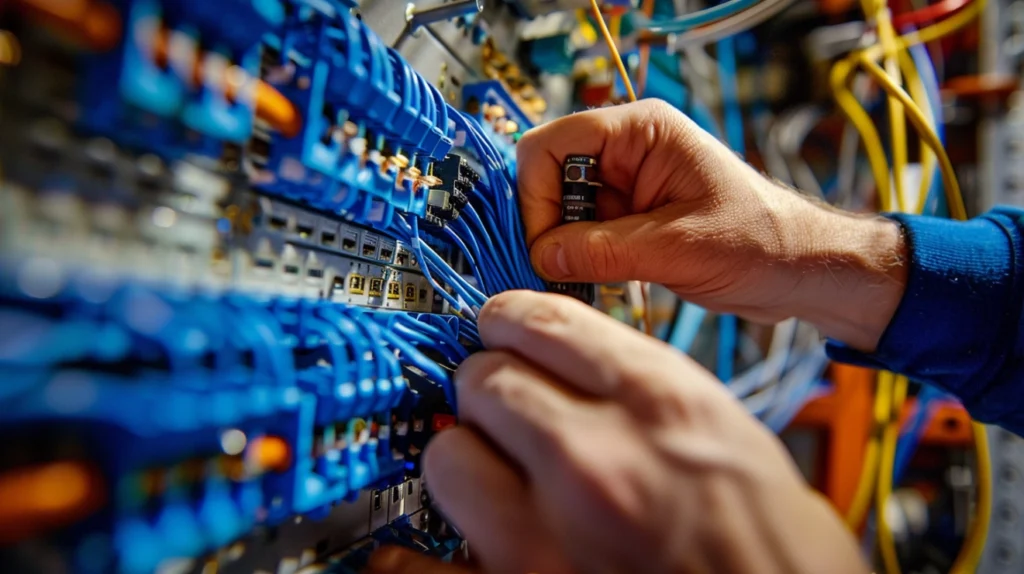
[591, 351]
[621, 138]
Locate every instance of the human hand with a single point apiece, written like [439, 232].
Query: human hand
[584, 446]
[680, 209]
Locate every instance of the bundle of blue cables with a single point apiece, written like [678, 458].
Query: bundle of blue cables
[492, 239]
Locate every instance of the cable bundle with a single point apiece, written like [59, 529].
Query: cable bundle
[489, 234]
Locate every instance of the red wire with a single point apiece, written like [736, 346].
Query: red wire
[928, 14]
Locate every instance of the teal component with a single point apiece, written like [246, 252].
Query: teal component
[552, 54]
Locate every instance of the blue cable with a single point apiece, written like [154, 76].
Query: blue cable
[453, 279]
[474, 219]
[732, 116]
[687, 325]
[936, 201]
[472, 296]
[419, 339]
[353, 336]
[726, 347]
[426, 329]
[494, 267]
[433, 371]
[699, 18]
[414, 241]
[499, 179]
[459, 229]
[733, 122]
[912, 433]
[473, 267]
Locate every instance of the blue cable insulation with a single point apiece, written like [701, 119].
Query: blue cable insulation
[493, 280]
[473, 219]
[701, 17]
[733, 123]
[914, 430]
[425, 267]
[492, 179]
[454, 280]
[473, 267]
[726, 347]
[500, 179]
[930, 80]
[688, 323]
[418, 359]
[426, 330]
[421, 340]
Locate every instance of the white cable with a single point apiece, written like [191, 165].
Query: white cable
[846, 170]
[730, 26]
[798, 126]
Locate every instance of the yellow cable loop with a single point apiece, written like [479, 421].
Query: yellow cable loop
[946, 27]
[952, 187]
[840, 78]
[882, 456]
[881, 412]
[974, 542]
[897, 119]
[886, 543]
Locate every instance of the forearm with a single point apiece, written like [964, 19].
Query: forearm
[851, 273]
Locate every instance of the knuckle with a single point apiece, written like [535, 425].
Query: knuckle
[496, 305]
[659, 105]
[615, 487]
[606, 255]
[477, 373]
[547, 316]
[660, 111]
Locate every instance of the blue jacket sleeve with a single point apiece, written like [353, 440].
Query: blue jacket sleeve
[960, 325]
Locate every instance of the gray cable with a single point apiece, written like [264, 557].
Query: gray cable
[730, 26]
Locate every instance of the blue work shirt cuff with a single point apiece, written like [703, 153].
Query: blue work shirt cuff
[961, 300]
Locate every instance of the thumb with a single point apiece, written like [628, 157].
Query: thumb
[607, 252]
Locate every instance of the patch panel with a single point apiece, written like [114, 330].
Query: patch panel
[295, 443]
[236, 316]
[319, 269]
[499, 111]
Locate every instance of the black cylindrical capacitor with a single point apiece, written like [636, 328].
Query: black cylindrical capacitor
[579, 203]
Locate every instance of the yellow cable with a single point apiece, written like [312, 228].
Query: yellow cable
[844, 69]
[920, 97]
[879, 458]
[897, 120]
[859, 119]
[886, 543]
[866, 484]
[974, 542]
[952, 187]
[613, 49]
[936, 31]
[946, 27]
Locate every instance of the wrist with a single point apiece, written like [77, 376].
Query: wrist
[848, 271]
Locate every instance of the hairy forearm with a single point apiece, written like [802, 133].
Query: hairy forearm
[850, 273]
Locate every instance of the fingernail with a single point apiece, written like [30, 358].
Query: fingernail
[552, 261]
[385, 559]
